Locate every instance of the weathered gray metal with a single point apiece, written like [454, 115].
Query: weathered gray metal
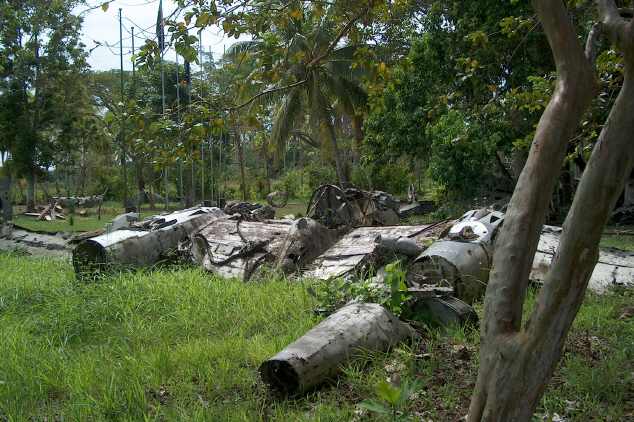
[318, 355]
[141, 246]
[462, 259]
[306, 240]
[614, 268]
[234, 248]
[358, 251]
[437, 306]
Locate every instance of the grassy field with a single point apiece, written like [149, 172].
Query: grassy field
[177, 344]
[111, 210]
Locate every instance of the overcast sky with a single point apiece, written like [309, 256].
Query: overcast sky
[104, 27]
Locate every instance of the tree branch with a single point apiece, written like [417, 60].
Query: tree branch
[592, 43]
[334, 42]
[619, 30]
[268, 91]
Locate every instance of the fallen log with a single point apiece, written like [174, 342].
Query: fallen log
[399, 245]
[136, 248]
[317, 355]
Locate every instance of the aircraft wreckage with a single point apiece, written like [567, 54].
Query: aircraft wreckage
[347, 234]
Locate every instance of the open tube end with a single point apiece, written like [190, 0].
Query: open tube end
[89, 259]
[280, 376]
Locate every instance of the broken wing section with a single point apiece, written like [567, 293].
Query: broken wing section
[142, 244]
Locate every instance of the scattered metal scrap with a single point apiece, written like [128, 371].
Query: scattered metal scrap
[250, 211]
[79, 201]
[416, 208]
[34, 243]
[336, 207]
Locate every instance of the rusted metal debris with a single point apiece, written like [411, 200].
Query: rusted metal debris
[141, 245]
[461, 259]
[335, 207]
[250, 211]
[317, 355]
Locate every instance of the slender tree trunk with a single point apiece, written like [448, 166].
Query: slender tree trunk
[339, 166]
[357, 124]
[243, 176]
[516, 362]
[140, 183]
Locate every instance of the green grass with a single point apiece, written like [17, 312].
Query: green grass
[623, 242]
[178, 344]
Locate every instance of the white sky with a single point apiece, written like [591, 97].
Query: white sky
[104, 27]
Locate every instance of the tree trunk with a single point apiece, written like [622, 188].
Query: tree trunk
[243, 176]
[516, 362]
[6, 207]
[628, 193]
[140, 184]
[357, 124]
[191, 198]
[341, 172]
[30, 191]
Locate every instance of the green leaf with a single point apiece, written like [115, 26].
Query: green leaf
[388, 392]
[202, 20]
[105, 5]
[374, 406]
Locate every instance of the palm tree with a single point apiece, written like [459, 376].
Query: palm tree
[317, 78]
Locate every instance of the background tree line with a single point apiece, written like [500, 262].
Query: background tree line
[445, 95]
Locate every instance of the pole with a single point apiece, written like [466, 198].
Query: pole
[178, 120]
[167, 201]
[133, 61]
[202, 142]
[211, 145]
[122, 129]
